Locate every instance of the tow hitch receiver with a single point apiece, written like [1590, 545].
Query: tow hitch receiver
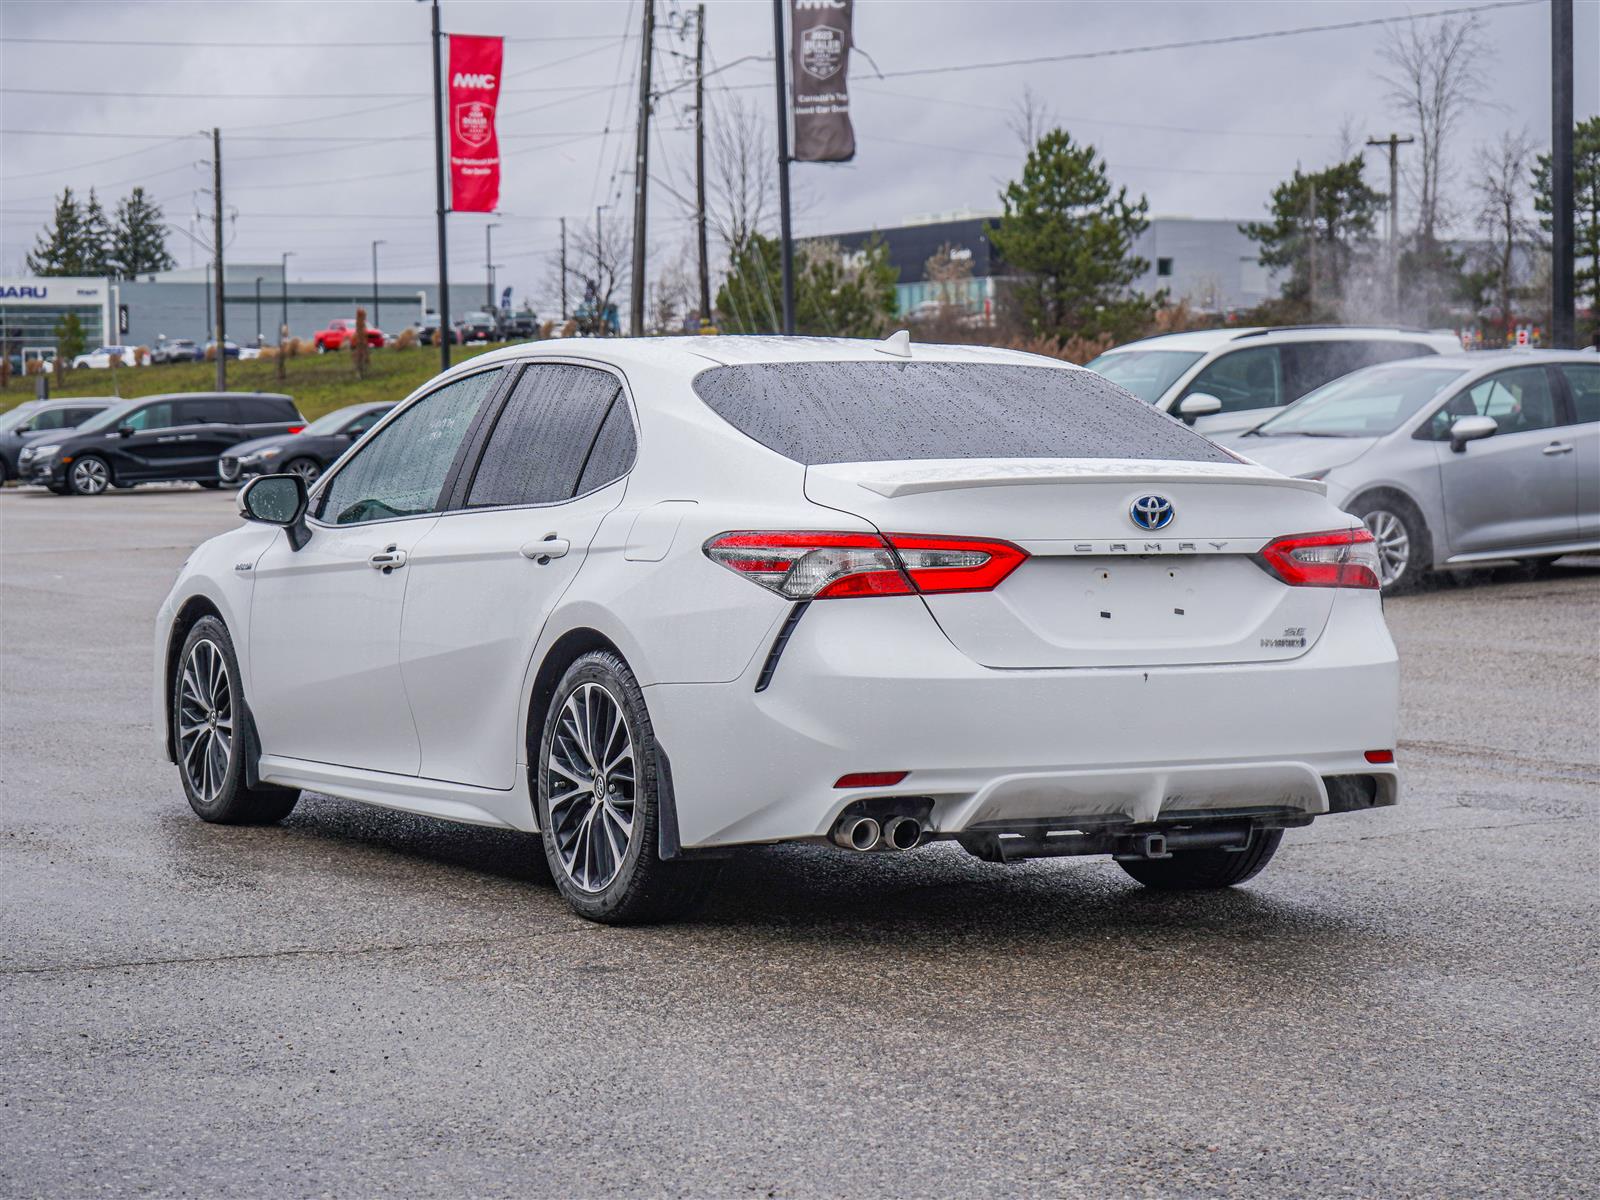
[1123, 843]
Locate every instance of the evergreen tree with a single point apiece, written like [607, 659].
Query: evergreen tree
[1586, 196]
[139, 241]
[1320, 224]
[96, 238]
[835, 294]
[63, 248]
[1068, 236]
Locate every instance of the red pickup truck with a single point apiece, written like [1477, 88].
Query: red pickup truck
[340, 333]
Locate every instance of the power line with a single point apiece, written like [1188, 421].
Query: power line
[413, 44]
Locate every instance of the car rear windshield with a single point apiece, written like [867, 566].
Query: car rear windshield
[832, 412]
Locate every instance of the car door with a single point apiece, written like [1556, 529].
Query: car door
[1516, 488]
[206, 426]
[325, 682]
[1582, 382]
[1249, 382]
[146, 442]
[482, 582]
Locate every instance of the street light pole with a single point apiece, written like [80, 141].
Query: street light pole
[488, 265]
[438, 186]
[283, 327]
[780, 51]
[375, 246]
[258, 310]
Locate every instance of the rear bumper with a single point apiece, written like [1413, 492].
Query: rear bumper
[875, 686]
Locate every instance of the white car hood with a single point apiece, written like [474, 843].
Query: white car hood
[1295, 454]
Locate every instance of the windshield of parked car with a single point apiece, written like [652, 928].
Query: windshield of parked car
[836, 412]
[1369, 403]
[333, 422]
[1145, 373]
[108, 419]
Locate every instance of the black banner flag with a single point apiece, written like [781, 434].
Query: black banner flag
[819, 49]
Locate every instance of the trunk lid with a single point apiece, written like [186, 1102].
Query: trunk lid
[1097, 590]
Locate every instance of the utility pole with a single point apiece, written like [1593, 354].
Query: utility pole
[1394, 141]
[563, 270]
[488, 266]
[1311, 244]
[216, 196]
[1563, 315]
[438, 188]
[780, 52]
[700, 160]
[258, 310]
[375, 246]
[283, 334]
[641, 173]
[599, 257]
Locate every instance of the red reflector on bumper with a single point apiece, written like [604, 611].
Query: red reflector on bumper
[871, 779]
[1380, 756]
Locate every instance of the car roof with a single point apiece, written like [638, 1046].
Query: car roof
[1205, 340]
[59, 401]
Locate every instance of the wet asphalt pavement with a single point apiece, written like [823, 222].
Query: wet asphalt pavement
[360, 1002]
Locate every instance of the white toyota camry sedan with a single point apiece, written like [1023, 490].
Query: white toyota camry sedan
[657, 599]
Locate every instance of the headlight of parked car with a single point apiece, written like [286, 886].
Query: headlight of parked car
[40, 453]
[259, 457]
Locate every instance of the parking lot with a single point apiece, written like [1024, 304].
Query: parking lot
[361, 1001]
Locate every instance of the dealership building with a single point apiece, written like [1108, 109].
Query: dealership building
[1209, 263]
[181, 304]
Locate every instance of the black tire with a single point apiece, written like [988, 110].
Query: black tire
[210, 485]
[643, 887]
[1385, 515]
[212, 704]
[89, 475]
[1204, 870]
[60, 489]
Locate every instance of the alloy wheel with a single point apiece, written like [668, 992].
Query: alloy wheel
[1393, 544]
[90, 476]
[592, 784]
[306, 468]
[205, 721]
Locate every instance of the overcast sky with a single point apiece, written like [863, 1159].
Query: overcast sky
[1202, 131]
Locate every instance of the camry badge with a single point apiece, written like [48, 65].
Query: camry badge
[1151, 512]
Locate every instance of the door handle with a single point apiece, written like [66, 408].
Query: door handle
[167, 439]
[1557, 448]
[388, 559]
[543, 551]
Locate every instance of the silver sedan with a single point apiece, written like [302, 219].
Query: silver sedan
[1452, 459]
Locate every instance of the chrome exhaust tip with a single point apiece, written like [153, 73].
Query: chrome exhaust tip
[901, 833]
[856, 833]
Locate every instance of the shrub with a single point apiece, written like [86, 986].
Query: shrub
[405, 339]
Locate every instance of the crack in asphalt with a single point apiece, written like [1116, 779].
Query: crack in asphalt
[295, 952]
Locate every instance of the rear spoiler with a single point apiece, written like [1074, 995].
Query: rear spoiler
[892, 479]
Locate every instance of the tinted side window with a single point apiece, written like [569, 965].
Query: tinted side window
[1519, 400]
[253, 410]
[1309, 365]
[402, 471]
[542, 436]
[1584, 381]
[364, 422]
[1243, 379]
[614, 447]
[77, 416]
[210, 411]
[151, 416]
[52, 418]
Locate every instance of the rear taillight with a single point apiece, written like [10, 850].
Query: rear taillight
[1342, 558]
[827, 566]
[296, 428]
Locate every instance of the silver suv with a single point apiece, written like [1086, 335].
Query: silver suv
[1226, 380]
[1452, 460]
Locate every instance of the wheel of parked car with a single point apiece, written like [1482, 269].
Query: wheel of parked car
[307, 468]
[89, 476]
[599, 800]
[210, 734]
[1201, 870]
[322, 347]
[210, 485]
[1401, 540]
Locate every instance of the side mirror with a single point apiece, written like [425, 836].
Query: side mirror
[1471, 429]
[1198, 404]
[277, 500]
[126, 430]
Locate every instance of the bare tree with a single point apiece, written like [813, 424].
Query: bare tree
[599, 256]
[1433, 78]
[1031, 118]
[741, 175]
[1502, 183]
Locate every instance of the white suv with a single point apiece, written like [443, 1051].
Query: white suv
[1229, 380]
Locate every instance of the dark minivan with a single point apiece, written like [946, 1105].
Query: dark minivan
[158, 438]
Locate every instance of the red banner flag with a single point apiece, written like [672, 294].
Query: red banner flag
[474, 148]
